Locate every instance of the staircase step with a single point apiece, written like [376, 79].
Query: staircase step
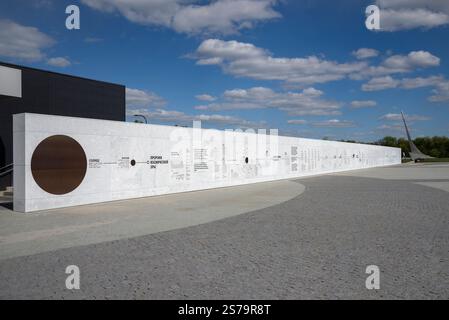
[8, 192]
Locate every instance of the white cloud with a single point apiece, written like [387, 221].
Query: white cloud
[411, 14]
[209, 61]
[224, 119]
[419, 82]
[406, 19]
[441, 92]
[398, 117]
[228, 50]
[356, 104]
[396, 64]
[179, 117]
[307, 102]
[205, 97]
[22, 42]
[396, 127]
[223, 16]
[246, 60]
[190, 16]
[142, 102]
[365, 53]
[334, 123]
[437, 5]
[380, 83]
[60, 62]
[258, 94]
[297, 121]
[151, 12]
[415, 59]
[136, 98]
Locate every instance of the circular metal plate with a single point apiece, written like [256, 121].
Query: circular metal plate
[58, 164]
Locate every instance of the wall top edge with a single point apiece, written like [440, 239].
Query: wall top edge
[29, 116]
[22, 67]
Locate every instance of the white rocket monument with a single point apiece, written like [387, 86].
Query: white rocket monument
[415, 153]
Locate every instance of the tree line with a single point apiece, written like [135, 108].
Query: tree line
[437, 147]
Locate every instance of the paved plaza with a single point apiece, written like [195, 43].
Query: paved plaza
[309, 238]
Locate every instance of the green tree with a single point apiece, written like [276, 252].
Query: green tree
[388, 141]
[437, 147]
[405, 146]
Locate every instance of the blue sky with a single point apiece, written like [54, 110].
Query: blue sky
[308, 68]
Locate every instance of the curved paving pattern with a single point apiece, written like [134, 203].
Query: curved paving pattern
[316, 245]
[25, 234]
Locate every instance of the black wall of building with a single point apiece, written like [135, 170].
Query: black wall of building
[57, 94]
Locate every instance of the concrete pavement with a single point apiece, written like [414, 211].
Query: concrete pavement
[25, 234]
[313, 245]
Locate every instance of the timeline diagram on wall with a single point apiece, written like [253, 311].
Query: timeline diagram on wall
[71, 162]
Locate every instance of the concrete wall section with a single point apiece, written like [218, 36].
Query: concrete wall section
[129, 160]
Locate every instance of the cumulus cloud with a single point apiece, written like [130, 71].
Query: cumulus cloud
[441, 92]
[357, 104]
[179, 117]
[397, 64]
[216, 51]
[60, 62]
[365, 53]
[440, 84]
[136, 98]
[22, 42]
[205, 97]
[151, 106]
[307, 102]
[419, 82]
[192, 16]
[411, 14]
[406, 19]
[334, 123]
[380, 83]
[246, 60]
[415, 59]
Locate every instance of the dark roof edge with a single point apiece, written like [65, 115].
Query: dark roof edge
[16, 66]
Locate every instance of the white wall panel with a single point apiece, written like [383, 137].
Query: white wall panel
[10, 82]
[173, 159]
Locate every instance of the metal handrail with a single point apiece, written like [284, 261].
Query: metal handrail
[6, 172]
[8, 165]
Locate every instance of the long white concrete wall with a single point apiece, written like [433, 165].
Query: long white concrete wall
[129, 160]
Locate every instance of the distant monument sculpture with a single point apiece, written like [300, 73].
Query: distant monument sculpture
[415, 153]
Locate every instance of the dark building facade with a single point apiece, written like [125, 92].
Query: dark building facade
[24, 89]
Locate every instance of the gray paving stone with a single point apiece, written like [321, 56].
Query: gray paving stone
[315, 246]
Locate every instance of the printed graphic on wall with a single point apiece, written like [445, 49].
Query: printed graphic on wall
[63, 161]
[58, 164]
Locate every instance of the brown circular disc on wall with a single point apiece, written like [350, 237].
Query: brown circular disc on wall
[58, 164]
